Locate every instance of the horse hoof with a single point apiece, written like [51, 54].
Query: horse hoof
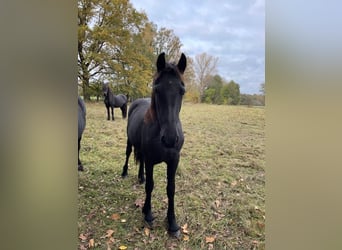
[176, 234]
[80, 168]
[124, 176]
[141, 181]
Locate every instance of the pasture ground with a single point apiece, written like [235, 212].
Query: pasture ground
[220, 183]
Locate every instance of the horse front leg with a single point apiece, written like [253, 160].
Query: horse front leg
[108, 116]
[148, 190]
[112, 113]
[170, 188]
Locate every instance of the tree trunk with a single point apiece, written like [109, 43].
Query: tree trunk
[86, 88]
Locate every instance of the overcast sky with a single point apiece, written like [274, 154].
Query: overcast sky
[233, 31]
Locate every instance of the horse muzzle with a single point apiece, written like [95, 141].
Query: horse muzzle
[169, 138]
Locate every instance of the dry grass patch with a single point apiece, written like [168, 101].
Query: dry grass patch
[220, 183]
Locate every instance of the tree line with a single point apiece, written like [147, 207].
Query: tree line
[119, 45]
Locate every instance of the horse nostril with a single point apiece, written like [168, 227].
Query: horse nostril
[169, 142]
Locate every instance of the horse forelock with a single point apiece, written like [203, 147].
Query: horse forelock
[170, 67]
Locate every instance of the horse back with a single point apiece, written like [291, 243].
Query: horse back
[120, 100]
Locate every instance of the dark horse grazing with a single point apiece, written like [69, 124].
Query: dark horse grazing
[81, 126]
[155, 131]
[114, 101]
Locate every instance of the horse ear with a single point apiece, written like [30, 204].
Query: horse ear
[161, 62]
[182, 64]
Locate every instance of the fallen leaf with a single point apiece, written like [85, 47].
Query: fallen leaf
[91, 243]
[115, 216]
[82, 247]
[123, 220]
[109, 233]
[186, 238]
[217, 203]
[147, 231]
[185, 228]
[210, 246]
[139, 203]
[82, 237]
[233, 184]
[122, 247]
[218, 216]
[209, 239]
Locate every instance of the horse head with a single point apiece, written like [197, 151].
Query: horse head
[167, 95]
[105, 90]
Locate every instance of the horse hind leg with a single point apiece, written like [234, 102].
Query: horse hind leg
[80, 166]
[141, 176]
[124, 111]
[128, 153]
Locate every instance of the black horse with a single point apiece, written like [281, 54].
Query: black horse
[114, 101]
[155, 131]
[81, 126]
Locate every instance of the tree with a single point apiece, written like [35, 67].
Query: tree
[213, 92]
[205, 66]
[262, 89]
[192, 93]
[231, 93]
[252, 100]
[166, 41]
[111, 45]
[263, 92]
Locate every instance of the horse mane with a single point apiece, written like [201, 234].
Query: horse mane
[109, 91]
[151, 112]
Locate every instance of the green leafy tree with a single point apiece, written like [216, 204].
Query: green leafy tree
[113, 46]
[213, 92]
[231, 93]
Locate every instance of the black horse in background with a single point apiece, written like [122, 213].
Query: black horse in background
[81, 126]
[114, 101]
[155, 131]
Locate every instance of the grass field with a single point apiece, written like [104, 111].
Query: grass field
[220, 183]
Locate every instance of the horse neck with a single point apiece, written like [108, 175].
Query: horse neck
[150, 115]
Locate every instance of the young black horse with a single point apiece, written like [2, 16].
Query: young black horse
[81, 126]
[114, 101]
[155, 131]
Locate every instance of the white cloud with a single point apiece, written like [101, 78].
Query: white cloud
[234, 31]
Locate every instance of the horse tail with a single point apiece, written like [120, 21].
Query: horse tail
[137, 156]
